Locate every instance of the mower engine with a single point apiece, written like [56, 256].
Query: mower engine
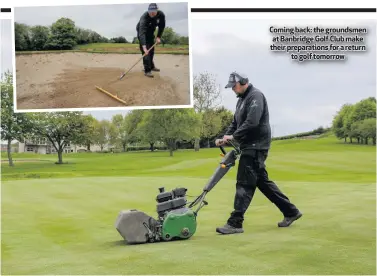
[175, 220]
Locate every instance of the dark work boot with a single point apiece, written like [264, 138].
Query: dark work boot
[228, 229]
[156, 69]
[149, 74]
[289, 220]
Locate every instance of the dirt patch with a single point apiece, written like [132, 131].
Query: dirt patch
[68, 80]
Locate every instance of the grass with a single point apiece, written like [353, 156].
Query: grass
[59, 219]
[116, 48]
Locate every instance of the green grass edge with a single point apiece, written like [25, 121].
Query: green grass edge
[98, 52]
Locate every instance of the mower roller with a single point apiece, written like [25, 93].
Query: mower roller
[176, 218]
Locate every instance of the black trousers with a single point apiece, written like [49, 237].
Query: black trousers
[148, 59]
[252, 174]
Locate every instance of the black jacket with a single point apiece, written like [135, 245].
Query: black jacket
[147, 25]
[250, 126]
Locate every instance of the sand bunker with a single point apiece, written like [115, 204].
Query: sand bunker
[68, 81]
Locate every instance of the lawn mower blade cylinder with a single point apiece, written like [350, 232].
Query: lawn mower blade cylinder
[134, 226]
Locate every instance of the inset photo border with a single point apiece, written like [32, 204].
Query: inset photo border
[92, 57]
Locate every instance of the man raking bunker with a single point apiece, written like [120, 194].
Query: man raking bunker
[145, 33]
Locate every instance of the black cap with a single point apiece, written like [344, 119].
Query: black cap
[232, 81]
[152, 7]
[234, 78]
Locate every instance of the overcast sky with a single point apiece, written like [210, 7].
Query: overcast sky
[108, 20]
[301, 97]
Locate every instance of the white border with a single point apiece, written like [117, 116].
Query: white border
[120, 108]
[14, 63]
[189, 17]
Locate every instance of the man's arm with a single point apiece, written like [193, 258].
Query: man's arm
[143, 30]
[254, 113]
[161, 24]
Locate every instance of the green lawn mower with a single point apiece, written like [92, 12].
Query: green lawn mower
[176, 217]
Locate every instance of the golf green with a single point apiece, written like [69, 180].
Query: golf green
[59, 219]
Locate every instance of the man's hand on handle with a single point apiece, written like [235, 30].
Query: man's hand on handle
[221, 142]
[158, 40]
[227, 138]
[146, 51]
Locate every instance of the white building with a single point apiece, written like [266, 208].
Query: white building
[43, 146]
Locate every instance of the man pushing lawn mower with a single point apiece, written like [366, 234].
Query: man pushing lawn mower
[177, 218]
[250, 128]
[145, 33]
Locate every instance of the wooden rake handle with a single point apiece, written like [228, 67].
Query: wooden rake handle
[137, 61]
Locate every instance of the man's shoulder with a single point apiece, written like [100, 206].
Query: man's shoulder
[144, 15]
[255, 93]
[160, 13]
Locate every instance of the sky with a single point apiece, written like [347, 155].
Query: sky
[108, 20]
[301, 97]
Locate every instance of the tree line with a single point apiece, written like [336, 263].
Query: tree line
[169, 36]
[174, 128]
[318, 131]
[356, 122]
[63, 34]
[189, 128]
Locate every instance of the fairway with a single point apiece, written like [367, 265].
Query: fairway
[59, 219]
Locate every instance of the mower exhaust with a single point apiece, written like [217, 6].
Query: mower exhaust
[175, 220]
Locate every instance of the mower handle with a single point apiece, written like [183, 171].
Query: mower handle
[232, 144]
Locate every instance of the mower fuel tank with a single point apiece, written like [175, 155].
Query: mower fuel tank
[170, 205]
[167, 201]
[179, 224]
[131, 226]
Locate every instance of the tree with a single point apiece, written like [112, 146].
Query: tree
[63, 35]
[120, 39]
[211, 124]
[226, 118]
[103, 133]
[133, 121]
[39, 37]
[135, 40]
[82, 35]
[171, 126]
[364, 109]
[206, 96]
[339, 122]
[184, 40]
[349, 121]
[368, 130]
[22, 37]
[60, 128]
[89, 135]
[168, 35]
[118, 133]
[14, 126]
[355, 131]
